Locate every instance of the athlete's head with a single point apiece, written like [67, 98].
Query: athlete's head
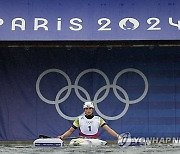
[88, 108]
[88, 105]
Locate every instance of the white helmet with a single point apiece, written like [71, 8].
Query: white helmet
[88, 104]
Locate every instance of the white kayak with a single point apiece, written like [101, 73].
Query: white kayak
[87, 142]
[48, 142]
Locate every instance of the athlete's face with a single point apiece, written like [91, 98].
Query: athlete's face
[88, 111]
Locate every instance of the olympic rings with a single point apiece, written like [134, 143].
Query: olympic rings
[96, 99]
[145, 82]
[39, 80]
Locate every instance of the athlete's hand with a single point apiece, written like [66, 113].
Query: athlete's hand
[120, 140]
[61, 137]
[119, 137]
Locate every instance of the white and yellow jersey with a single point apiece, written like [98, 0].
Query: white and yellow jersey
[89, 127]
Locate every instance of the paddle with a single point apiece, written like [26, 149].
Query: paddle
[44, 136]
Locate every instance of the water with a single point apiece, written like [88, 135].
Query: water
[108, 149]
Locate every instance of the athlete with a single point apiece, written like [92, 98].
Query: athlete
[89, 124]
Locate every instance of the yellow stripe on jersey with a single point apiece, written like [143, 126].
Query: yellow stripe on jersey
[76, 122]
[102, 122]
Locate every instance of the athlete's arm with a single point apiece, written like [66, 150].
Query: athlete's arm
[71, 130]
[67, 133]
[111, 131]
